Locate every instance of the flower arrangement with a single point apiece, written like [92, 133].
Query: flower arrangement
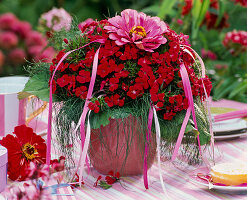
[18, 43]
[134, 62]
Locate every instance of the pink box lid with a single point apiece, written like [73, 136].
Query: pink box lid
[3, 155]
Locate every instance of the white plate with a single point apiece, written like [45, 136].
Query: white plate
[229, 136]
[230, 125]
[224, 189]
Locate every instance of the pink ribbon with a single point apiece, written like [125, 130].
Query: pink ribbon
[148, 136]
[48, 152]
[188, 94]
[203, 70]
[230, 115]
[22, 112]
[85, 110]
[2, 116]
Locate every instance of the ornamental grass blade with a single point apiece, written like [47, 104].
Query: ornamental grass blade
[166, 8]
[240, 88]
[220, 12]
[198, 13]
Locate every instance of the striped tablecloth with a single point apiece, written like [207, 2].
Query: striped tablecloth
[178, 184]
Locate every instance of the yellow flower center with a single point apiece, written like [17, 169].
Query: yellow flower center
[138, 30]
[29, 151]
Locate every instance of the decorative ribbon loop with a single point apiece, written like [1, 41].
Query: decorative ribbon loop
[85, 144]
[48, 151]
[203, 70]
[189, 96]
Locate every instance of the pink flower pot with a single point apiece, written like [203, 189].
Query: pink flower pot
[120, 147]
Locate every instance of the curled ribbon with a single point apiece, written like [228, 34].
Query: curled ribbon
[203, 72]
[191, 109]
[48, 151]
[148, 136]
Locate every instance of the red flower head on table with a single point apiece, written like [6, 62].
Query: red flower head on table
[23, 148]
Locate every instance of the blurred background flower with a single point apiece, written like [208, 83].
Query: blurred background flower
[56, 20]
[18, 43]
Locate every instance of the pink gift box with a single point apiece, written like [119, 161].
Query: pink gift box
[3, 167]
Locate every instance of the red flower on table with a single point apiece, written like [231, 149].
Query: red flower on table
[23, 148]
[109, 180]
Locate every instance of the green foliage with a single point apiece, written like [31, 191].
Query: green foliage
[38, 86]
[198, 13]
[137, 108]
[166, 8]
[37, 83]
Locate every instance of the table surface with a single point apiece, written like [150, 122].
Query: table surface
[178, 184]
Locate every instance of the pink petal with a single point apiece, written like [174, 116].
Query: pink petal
[122, 33]
[110, 28]
[139, 45]
[125, 40]
[114, 36]
[119, 43]
[114, 21]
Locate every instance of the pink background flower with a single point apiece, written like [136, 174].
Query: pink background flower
[57, 19]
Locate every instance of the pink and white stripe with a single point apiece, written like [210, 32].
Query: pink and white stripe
[12, 113]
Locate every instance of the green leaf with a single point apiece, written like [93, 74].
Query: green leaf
[104, 185]
[189, 128]
[38, 86]
[166, 8]
[98, 119]
[204, 138]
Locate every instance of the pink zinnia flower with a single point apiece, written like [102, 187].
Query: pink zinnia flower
[133, 27]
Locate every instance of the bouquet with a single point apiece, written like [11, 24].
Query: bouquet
[125, 71]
